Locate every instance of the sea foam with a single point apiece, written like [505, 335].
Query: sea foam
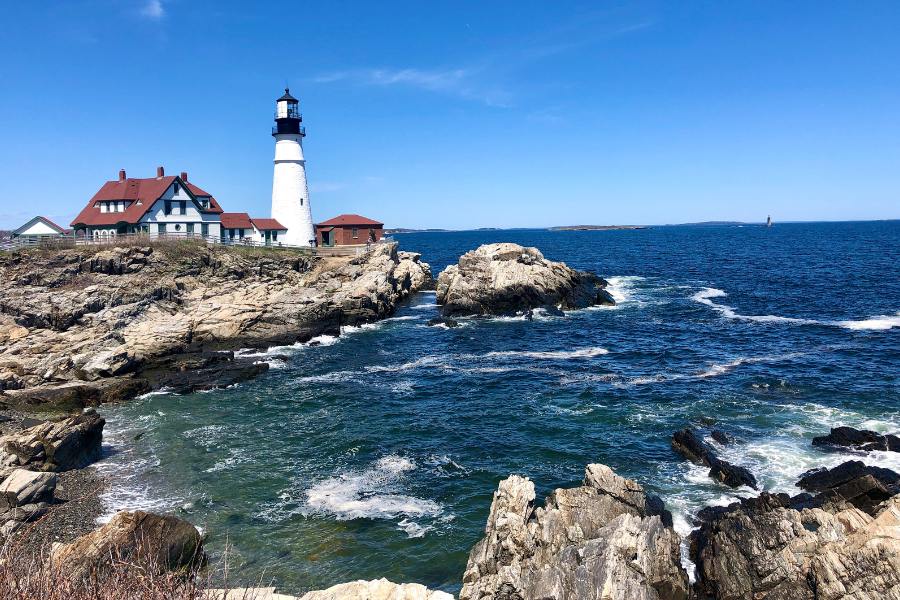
[374, 493]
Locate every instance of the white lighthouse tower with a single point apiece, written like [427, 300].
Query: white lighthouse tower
[290, 194]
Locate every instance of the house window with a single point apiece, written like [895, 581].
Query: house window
[274, 236]
[241, 232]
[168, 210]
[103, 207]
[177, 226]
[354, 232]
[160, 227]
[175, 190]
[204, 229]
[231, 233]
[190, 228]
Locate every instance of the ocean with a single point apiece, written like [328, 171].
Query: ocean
[376, 453]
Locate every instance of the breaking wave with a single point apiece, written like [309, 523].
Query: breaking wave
[881, 322]
[375, 493]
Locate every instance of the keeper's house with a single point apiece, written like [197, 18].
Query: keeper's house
[348, 230]
[155, 205]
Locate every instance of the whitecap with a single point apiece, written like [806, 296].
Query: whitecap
[876, 323]
[879, 323]
[621, 287]
[551, 355]
[370, 494]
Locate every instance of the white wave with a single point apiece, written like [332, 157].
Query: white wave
[322, 340]
[163, 391]
[620, 288]
[404, 318]
[372, 494]
[876, 323]
[237, 456]
[715, 370]
[424, 306]
[879, 323]
[552, 355]
[424, 361]
[125, 470]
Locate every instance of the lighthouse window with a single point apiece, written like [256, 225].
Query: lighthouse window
[301, 201]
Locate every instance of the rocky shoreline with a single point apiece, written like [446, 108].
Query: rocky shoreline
[83, 326]
[81, 329]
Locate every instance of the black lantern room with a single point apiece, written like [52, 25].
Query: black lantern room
[287, 115]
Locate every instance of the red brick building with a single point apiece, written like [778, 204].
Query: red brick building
[348, 230]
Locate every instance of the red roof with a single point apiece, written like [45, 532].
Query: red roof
[236, 221]
[141, 193]
[267, 224]
[347, 220]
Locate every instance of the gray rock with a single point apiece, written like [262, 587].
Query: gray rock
[604, 540]
[508, 278]
[26, 487]
[70, 443]
[778, 548]
[156, 542]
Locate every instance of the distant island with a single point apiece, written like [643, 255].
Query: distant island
[397, 230]
[596, 227]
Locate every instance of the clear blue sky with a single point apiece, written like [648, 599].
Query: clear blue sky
[463, 114]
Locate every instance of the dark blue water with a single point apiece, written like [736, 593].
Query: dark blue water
[379, 457]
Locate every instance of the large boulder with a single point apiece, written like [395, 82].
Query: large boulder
[508, 278]
[377, 589]
[778, 548]
[688, 444]
[858, 439]
[70, 443]
[157, 543]
[606, 539]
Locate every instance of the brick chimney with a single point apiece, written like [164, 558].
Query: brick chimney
[184, 175]
[160, 172]
[121, 174]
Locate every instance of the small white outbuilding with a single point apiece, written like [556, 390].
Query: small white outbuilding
[39, 227]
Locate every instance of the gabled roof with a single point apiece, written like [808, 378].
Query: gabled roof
[267, 224]
[43, 220]
[141, 193]
[236, 221]
[347, 220]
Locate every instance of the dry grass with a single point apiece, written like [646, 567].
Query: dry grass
[26, 573]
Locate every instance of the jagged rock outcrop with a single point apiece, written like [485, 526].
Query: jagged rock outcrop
[858, 439]
[606, 539]
[687, 443]
[778, 548]
[60, 445]
[508, 278]
[158, 543]
[863, 486]
[81, 326]
[419, 273]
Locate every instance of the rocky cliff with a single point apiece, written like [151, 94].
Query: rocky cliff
[87, 325]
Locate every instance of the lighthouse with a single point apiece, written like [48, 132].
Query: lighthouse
[290, 194]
